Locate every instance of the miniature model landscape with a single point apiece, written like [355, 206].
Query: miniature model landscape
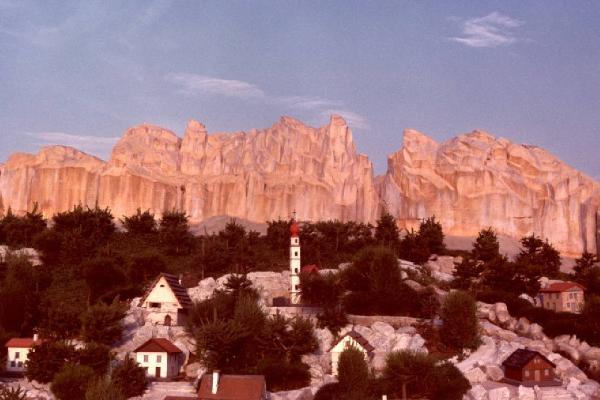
[325, 310]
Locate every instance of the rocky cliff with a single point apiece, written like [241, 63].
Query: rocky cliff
[476, 180]
[469, 182]
[257, 175]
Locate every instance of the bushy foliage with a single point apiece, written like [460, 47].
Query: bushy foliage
[460, 329]
[386, 231]
[46, 359]
[103, 389]
[19, 232]
[10, 393]
[353, 372]
[129, 378]
[538, 256]
[102, 322]
[72, 382]
[97, 356]
[419, 375]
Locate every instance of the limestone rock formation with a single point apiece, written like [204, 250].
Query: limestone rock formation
[476, 180]
[257, 175]
[470, 182]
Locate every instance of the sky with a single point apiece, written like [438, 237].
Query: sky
[80, 73]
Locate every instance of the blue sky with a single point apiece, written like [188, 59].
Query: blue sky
[80, 73]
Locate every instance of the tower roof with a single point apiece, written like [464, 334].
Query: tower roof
[294, 228]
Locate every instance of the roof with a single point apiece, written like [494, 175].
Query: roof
[558, 287]
[24, 343]
[521, 357]
[294, 229]
[178, 290]
[310, 269]
[158, 345]
[233, 387]
[360, 339]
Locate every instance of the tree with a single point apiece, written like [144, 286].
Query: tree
[448, 383]
[413, 248]
[129, 378]
[467, 273]
[72, 382]
[18, 232]
[591, 314]
[407, 372]
[353, 372]
[460, 328]
[386, 230]
[432, 235]
[97, 356]
[486, 247]
[140, 223]
[539, 256]
[62, 305]
[102, 323]
[103, 389]
[46, 359]
[174, 233]
[101, 274]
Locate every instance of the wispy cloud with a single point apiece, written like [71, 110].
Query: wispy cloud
[99, 145]
[194, 84]
[492, 30]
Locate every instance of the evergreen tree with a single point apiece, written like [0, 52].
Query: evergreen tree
[584, 263]
[460, 328]
[97, 356]
[140, 223]
[432, 235]
[353, 372]
[46, 359]
[72, 382]
[103, 389]
[101, 323]
[539, 256]
[486, 247]
[129, 378]
[9, 393]
[386, 231]
[174, 233]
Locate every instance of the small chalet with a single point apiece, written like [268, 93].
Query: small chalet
[232, 387]
[529, 368]
[160, 358]
[351, 339]
[562, 297]
[18, 352]
[166, 301]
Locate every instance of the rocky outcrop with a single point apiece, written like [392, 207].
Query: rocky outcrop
[257, 175]
[468, 183]
[476, 180]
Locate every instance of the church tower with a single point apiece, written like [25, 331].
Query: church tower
[294, 263]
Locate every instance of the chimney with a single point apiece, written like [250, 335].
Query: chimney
[384, 397]
[35, 337]
[215, 382]
[181, 279]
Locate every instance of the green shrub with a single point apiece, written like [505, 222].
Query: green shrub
[282, 375]
[460, 327]
[103, 389]
[72, 382]
[353, 372]
[129, 378]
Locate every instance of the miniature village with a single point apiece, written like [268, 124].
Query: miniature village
[513, 358]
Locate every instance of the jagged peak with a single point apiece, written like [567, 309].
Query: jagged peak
[53, 155]
[194, 125]
[412, 138]
[337, 120]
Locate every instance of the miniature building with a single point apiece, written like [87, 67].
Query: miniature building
[166, 301]
[310, 269]
[562, 297]
[351, 339]
[232, 387]
[160, 358]
[528, 367]
[18, 352]
[294, 263]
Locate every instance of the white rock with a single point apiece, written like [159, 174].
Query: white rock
[475, 375]
[383, 328]
[501, 393]
[494, 372]
[477, 392]
[525, 393]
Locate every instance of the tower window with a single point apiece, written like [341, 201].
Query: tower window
[295, 254]
[296, 270]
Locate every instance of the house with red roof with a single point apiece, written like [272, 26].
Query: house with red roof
[562, 297]
[166, 301]
[18, 352]
[232, 387]
[160, 358]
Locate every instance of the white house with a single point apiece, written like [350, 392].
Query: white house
[160, 358]
[18, 352]
[166, 301]
[351, 339]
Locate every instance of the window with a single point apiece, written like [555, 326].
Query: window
[13, 364]
[297, 287]
[146, 358]
[296, 270]
[158, 359]
[526, 374]
[20, 364]
[17, 355]
[546, 372]
[295, 254]
[162, 285]
[154, 305]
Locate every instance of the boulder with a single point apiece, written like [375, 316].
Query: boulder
[494, 372]
[477, 392]
[500, 393]
[536, 332]
[525, 393]
[502, 314]
[475, 375]
[383, 328]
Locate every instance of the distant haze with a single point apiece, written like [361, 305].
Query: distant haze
[80, 73]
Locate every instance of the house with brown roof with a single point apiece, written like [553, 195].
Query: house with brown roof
[232, 387]
[18, 352]
[562, 297]
[166, 301]
[160, 358]
[529, 368]
[351, 339]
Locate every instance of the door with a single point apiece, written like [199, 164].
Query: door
[168, 320]
[157, 374]
[536, 375]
